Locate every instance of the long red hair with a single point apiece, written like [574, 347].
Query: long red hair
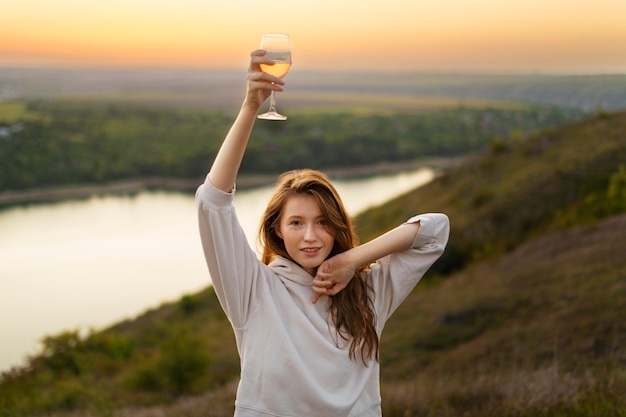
[351, 309]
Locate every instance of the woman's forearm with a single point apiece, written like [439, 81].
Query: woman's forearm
[395, 240]
[223, 173]
[336, 272]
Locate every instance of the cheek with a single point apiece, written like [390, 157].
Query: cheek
[288, 239]
[330, 238]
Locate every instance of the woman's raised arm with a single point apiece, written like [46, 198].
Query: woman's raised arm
[334, 274]
[429, 232]
[223, 173]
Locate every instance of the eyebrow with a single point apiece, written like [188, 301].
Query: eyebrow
[299, 216]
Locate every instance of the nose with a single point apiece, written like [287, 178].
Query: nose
[309, 233]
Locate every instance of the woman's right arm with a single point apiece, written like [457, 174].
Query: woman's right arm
[223, 173]
[233, 265]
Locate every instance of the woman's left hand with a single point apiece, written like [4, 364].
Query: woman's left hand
[333, 275]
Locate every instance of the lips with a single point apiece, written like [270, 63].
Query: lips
[310, 251]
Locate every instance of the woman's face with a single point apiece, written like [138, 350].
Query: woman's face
[303, 229]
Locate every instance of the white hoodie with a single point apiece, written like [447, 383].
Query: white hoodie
[292, 362]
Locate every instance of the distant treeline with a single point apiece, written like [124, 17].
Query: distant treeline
[213, 88]
[64, 142]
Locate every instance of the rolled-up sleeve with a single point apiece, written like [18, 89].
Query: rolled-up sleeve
[434, 230]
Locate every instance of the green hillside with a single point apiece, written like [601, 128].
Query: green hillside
[523, 316]
[532, 321]
[521, 188]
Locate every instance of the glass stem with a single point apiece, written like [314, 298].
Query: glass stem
[272, 103]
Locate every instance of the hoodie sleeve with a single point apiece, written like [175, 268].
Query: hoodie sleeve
[393, 277]
[233, 265]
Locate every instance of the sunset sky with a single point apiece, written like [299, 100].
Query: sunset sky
[544, 36]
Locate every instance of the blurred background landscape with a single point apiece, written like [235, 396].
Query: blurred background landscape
[508, 117]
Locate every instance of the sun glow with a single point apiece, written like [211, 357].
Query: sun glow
[556, 36]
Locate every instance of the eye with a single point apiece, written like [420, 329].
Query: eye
[296, 222]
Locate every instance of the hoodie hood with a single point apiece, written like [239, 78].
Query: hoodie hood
[290, 271]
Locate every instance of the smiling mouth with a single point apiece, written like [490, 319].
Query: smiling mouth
[310, 250]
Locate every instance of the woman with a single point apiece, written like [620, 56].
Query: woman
[308, 315]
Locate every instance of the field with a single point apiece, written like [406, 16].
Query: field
[12, 111]
[225, 89]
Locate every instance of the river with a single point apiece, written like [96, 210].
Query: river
[89, 263]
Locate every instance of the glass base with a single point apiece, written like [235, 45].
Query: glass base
[272, 115]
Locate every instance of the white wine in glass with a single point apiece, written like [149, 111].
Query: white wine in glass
[278, 48]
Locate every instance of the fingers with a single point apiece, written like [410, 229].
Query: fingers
[323, 277]
[265, 77]
[258, 57]
[323, 284]
[259, 83]
[319, 292]
[258, 77]
[262, 87]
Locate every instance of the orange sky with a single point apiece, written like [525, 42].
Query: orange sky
[546, 36]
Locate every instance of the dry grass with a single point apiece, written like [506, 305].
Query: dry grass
[538, 332]
[542, 392]
[506, 393]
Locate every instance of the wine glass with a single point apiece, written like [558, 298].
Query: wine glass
[278, 49]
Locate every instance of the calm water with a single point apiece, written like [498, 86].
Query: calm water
[90, 263]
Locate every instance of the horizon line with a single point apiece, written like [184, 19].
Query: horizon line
[197, 69]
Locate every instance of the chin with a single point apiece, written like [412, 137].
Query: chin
[310, 267]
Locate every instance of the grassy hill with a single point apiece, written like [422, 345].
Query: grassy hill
[523, 316]
[532, 321]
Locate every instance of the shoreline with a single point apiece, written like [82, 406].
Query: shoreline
[132, 186]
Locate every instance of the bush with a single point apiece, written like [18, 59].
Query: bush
[176, 366]
[60, 352]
